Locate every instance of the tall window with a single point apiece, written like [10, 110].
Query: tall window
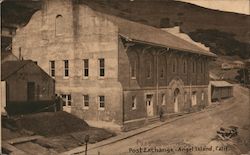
[174, 65]
[184, 66]
[85, 101]
[102, 67]
[85, 68]
[149, 70]
[162, 72]
[101, 102]
[52, 68]
[193, 66]
[133, 69]
[67, 99]
[66, 68]
[202, 96]
[201, 67]
[134, 102]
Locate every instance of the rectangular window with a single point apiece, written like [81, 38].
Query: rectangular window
[193, 67]
[202, 96]
[85, 68]
[174, 65]
[52, 68]
[133, 102]
[184, 67]
[101, 102]
[66, 99]
[66, 68]
[162, 72]
[133, 70]
[201, 67]
[85, 101]
[149, 68]
[102, 67]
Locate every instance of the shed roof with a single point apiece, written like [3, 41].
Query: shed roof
[150, 35]
[10, 67]
[221, 84]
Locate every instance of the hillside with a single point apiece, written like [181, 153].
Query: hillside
[232, 31]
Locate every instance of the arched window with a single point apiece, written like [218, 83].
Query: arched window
[59, 25]
[149, 69]
[193, 66]
[133, 67]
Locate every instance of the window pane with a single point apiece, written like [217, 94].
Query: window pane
[52, 68]
[102, 72]
[86, 72]
[66, 72]
[66, 63]
[66, 68]
[101, 62]
[86, 100]
[102, 67]
[102, 101]
[86, 63]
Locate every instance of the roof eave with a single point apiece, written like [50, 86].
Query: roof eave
[164, 46]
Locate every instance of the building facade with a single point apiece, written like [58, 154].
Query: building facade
[111, 69]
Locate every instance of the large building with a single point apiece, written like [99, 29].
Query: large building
[111, 69]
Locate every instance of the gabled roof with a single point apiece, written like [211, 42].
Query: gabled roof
[221, 84]
[150, 35]
[10, 67]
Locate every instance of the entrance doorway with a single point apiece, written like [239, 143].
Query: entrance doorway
[176, 100]
[149, 104]
[31, 91]
[194, 99]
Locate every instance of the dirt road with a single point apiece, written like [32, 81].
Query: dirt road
[194, 134]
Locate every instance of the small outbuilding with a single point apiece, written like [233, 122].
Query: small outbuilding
[27, 87]
[220, 90]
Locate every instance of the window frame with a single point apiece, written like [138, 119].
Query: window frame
[101, 68]
[66, 69]
[85, 68]
[52, 69]
[194, 66]
[184, 66]
[67, 100]
[174, 66]
[85, 101]
[101, 102]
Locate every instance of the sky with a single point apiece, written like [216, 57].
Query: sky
[238, 6]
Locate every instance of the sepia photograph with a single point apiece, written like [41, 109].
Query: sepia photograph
[125, 77]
